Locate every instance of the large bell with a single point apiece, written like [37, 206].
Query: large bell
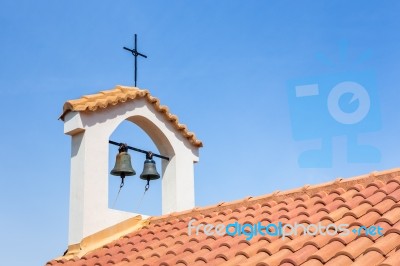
[149, 170]
[123, 166]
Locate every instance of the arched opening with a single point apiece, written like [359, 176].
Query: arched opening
[140, 133]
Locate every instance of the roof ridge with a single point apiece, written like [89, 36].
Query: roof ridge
[121, 94]
[277, 195]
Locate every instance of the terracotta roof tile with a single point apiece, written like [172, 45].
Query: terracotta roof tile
[356, 247]
[395, 195]
[260, 256]
[297, 243]
[392, 260]
[327, 252]
[313, 262]
[120, 95]
[392, 216]
[361, 201]
[339, 260]
[367, 219]
[385, 244]
[300, 256]
[273, 259]
[370, 258]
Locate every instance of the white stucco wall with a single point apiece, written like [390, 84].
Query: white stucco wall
[90, 133]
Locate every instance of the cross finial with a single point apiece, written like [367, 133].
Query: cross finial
[135, 53]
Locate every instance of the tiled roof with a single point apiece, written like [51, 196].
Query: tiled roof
[365, 200]
[121, 94]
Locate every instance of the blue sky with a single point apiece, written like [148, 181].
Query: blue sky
[226, 68]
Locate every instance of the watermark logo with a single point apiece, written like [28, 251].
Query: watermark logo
[279, 229]
[341, 103]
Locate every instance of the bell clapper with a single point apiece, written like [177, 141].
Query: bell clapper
[144, 193]
[120, 187]
[122, 181]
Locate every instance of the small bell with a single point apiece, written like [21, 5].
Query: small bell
[149, 169]
[123, 166]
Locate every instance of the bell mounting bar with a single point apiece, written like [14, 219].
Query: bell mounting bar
[148, 153]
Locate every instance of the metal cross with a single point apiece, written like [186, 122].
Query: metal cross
[135, 53]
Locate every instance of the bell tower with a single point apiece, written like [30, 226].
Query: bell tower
[90, 121]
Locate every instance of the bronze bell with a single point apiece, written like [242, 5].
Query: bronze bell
[149, 170]
[123, 166]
